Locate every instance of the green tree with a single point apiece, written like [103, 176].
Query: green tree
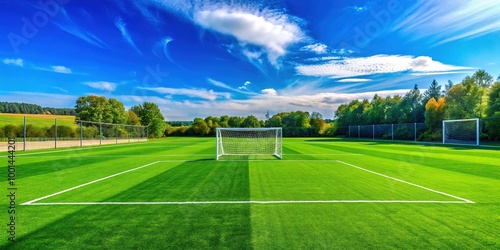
[463, 99]
[200, 127]
[411, 108]
[434, 91]
[93, 108]
[483, 80]
[150, 115]
[250, 122]
[235, 121]
[274, 121]
[375, 113]
[120, 115]
[493, 112]
[316, 115]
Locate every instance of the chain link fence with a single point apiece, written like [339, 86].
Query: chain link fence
[489, 132]
[43, 132]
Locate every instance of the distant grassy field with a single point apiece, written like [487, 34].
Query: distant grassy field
[324, 193]
[36, 120]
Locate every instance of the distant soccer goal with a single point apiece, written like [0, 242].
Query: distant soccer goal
[465, 131]
[249, 142]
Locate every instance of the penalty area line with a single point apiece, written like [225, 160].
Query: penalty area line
[88, 183]
[239, 202]
[409, 183]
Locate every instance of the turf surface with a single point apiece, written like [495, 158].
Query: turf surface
[325, 193]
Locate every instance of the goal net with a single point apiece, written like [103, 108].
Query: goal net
[234, 143]
[464, 131]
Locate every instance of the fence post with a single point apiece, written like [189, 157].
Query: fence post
[128, 133]
[359, 136]
[477, 131]
[392, 131]
[349, 131]
[444, 131]
[116, 133]
[24, 134]
[415, 131]
[100, 133]
[81, 134]
[373, 131]
[147, 134]
[55, 132]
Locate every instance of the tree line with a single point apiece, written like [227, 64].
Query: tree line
[99, 109]
[296, 123]
[476, 96]
[26, 108]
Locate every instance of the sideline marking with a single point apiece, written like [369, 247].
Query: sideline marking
[406, 182]
[88, 183]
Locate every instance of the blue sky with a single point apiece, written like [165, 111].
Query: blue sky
[198, 58]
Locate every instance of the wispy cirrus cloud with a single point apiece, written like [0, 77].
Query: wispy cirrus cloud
[355, 80]
[196, 93]
[225, 86]
[122, 26]
[441, 22]
[17, 62]
[378, 64]
[70, 26]
[102, 85]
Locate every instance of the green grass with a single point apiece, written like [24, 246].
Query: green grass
[36, 120]
[311, 170]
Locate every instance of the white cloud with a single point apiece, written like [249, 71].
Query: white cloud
[197, 93]
[61, 69]
[441, 22]
[272, 31]
[269, 91]
[245, 85]
[225, 86]
[18, 62]
[317, 48]
[102, 85]
[378, 64]
[354, 80]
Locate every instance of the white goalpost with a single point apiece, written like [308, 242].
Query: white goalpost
[464, 131]
[249, 142]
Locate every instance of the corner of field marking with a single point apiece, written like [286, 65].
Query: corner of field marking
[88, 183]
[407, 182]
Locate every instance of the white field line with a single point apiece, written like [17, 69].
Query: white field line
[88, 183]
[323, 154]
[124, 155]
[237, 202]
[409, 183]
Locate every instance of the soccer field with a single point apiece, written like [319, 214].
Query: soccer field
[324, 193]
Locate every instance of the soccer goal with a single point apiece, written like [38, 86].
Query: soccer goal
[465, 131]
[249, 142]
